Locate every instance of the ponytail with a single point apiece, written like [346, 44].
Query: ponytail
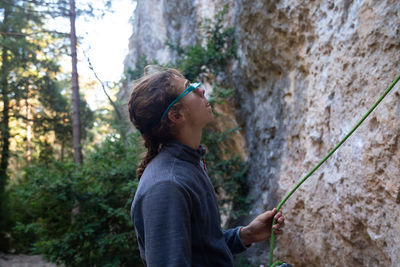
[149, 98]
[153, 147]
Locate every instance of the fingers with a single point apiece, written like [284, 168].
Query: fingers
[280, 222]
[277, 231]
[277, 228]
[278, 215]
[273, 214]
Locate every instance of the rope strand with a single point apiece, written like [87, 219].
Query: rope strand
[271, 249]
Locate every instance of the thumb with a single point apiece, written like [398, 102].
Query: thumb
[269, 214]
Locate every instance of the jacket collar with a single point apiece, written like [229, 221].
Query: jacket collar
[185, 152]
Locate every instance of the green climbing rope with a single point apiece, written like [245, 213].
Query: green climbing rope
[271, 249]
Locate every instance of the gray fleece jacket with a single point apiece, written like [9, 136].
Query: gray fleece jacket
[176, 216]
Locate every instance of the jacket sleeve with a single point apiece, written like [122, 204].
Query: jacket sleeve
[166, 211]
[233, 241]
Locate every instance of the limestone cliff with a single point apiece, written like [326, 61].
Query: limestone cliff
[307, 72]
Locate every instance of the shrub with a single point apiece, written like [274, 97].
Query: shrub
[79, 216]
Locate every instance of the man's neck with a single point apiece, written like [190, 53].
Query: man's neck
[190, 137]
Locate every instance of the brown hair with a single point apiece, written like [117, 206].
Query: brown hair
[150, 96]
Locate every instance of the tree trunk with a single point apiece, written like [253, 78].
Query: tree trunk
[5, 127]
[76, 122]
[5, 135]
[4, 124]
[76, 119]
[28, 106]
[63, 141]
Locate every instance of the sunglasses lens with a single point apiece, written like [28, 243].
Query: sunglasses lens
[193, 86]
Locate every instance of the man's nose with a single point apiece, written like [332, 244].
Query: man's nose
[202, 91]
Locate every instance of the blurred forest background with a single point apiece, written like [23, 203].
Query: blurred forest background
[68, 172]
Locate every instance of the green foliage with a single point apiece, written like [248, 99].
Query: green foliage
[137, 72]
[55, 113]
[80, 216]
[32, 90]
[28, 66]
[227, 171]
[220, 95]
[227, 175]
[215, 49]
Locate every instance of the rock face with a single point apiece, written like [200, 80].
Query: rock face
[307, 72]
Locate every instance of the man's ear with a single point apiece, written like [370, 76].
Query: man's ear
[176, 116]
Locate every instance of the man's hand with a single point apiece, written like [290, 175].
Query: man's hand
[260, 228]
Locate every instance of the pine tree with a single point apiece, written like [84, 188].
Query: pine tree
[34, 112]
[76, 130]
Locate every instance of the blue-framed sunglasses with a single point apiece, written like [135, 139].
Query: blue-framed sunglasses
[190, 88]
